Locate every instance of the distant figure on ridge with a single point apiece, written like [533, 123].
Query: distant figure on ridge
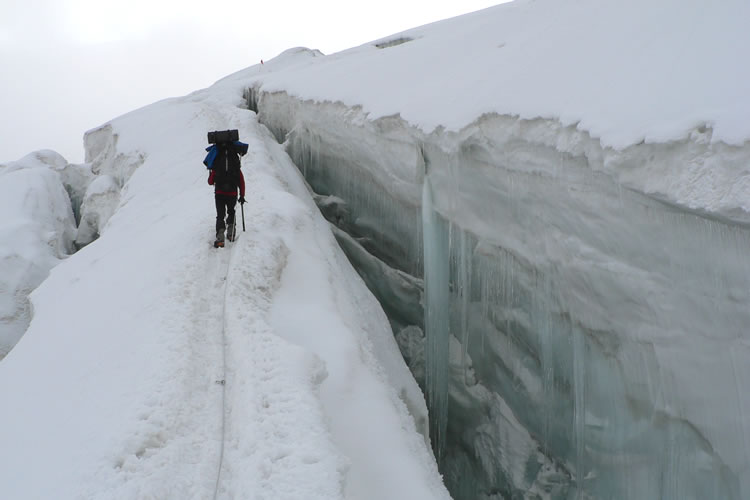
[223, 161]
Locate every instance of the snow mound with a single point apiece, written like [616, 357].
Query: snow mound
[37, 231]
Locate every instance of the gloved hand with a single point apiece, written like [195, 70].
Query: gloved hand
[242, 200]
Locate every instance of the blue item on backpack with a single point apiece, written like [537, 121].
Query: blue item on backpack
[211, 156]
[239, 147]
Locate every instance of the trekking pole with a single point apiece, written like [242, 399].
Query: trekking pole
[242, 209]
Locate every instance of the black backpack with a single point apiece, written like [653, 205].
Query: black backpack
[226, 167]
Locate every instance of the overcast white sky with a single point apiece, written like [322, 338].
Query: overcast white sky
[67, 66]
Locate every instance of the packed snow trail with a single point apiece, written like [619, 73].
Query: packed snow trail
[266, 382]
[112, 390]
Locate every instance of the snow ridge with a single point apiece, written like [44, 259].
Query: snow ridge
[129, 331]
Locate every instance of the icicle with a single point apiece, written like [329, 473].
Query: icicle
[544, 328]
[579, 410]
[437, 317]
[464, 279]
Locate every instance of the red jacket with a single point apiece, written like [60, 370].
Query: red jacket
[226, 193]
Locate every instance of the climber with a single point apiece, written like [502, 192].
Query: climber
[223, 161]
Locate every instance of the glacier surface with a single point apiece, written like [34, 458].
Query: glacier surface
[550, 201]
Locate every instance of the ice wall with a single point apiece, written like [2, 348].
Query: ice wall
[586, 308]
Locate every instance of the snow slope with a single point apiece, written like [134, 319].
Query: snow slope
[159, 367]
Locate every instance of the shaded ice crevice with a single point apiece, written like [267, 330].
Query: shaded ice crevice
[586, 284]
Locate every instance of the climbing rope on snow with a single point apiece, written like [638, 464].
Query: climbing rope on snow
[223, 380]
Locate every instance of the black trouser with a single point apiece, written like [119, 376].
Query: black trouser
[225, 206]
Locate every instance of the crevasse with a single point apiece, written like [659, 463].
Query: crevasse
[583, 331]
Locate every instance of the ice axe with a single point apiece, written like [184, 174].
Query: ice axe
[242, 209]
